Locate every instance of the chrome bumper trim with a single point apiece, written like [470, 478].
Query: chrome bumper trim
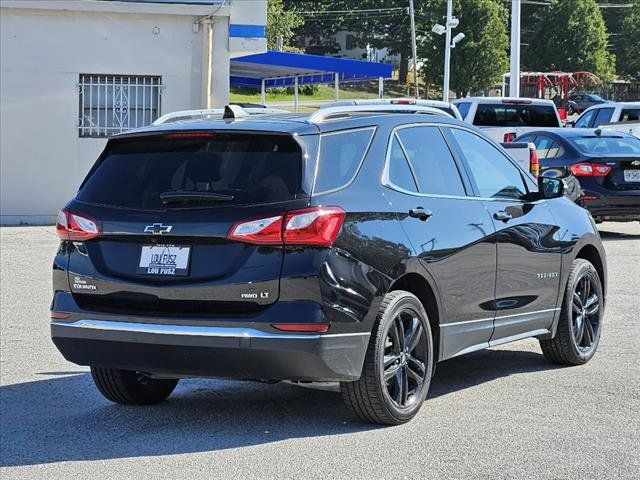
[193, 330]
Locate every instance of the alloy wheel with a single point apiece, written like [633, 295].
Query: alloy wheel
[404, 363]
[585, 313]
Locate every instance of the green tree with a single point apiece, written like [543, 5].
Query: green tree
[281, 22]
[629, 61]
[571, 35]
[478, 61]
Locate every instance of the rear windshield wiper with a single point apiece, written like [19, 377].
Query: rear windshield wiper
[185, 196]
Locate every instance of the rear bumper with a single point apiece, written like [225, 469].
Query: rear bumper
[211, 351]
[612, 206]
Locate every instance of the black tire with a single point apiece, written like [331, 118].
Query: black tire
[578, 332]
[127, 387]
[391, 402]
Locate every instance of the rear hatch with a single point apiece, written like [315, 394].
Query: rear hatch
[164, 206]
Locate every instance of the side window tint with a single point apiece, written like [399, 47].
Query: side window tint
[630, 115]
[604, 116]
[434, 166]
[585, 120]
[340, 157]
[399, 171]
[494, 175]
[463, 108]
[543, 144]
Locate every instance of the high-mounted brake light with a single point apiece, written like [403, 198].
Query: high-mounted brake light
[534, 163]
[403, 101]
[590, 170]
[509, 137]
[75, 226]
[315, 226]
[179, 135]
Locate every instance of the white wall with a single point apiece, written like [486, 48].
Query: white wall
[42, 158]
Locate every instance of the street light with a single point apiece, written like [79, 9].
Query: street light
[457, 39]
[452, 22]
[439, 29]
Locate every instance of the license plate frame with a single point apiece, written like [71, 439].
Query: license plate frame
[631, 175]
[164, 260]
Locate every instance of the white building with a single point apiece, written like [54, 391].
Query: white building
[74, 72]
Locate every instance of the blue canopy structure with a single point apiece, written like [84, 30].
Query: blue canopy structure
[279, 69]
[284, 69]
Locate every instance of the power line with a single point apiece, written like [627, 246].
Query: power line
[353, 11]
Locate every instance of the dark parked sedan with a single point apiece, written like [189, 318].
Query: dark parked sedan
[600, 168]
[579, 102]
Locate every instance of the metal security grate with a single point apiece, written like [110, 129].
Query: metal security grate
[111, 104]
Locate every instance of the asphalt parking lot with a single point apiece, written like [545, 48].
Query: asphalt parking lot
[500, 413]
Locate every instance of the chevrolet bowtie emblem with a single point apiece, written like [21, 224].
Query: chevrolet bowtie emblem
[158, 229]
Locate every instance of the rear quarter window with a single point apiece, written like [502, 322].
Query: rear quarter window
[463, 108]
[246, 168]
[341, 154]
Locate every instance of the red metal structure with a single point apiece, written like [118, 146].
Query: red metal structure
[555, 84]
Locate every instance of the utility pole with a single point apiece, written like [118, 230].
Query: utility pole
[514, 74]
[414, 49]
[447, 51]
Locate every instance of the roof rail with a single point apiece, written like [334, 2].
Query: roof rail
[211, 112]
[328, 113]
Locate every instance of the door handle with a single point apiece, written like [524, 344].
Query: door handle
[502, 215]
[420, 213]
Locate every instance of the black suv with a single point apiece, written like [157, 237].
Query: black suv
[349, 245]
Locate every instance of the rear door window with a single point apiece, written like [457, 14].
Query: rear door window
[604, 116]
[433, 164]
[515, 115]
[228, 168]
[341, 154]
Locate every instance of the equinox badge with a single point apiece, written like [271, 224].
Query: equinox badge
[158, 229]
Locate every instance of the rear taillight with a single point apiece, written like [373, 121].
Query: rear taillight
[509, 137]
[75, 226]
[317, 226]
[590, 170]
[313, 226]
[534, 163]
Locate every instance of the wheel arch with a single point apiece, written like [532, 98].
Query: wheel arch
[419, 286]
[590, 253]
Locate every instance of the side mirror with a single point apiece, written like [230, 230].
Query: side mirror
[549, 187]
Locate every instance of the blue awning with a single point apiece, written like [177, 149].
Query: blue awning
[278, 69]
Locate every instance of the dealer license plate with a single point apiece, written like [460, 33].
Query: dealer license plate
[170, 260]
[632, 176]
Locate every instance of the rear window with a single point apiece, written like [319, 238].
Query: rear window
[607, 145]
[630, 115]
[341, 154]
[507, 115]
[219, 169]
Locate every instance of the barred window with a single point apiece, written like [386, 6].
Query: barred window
[111, 104]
